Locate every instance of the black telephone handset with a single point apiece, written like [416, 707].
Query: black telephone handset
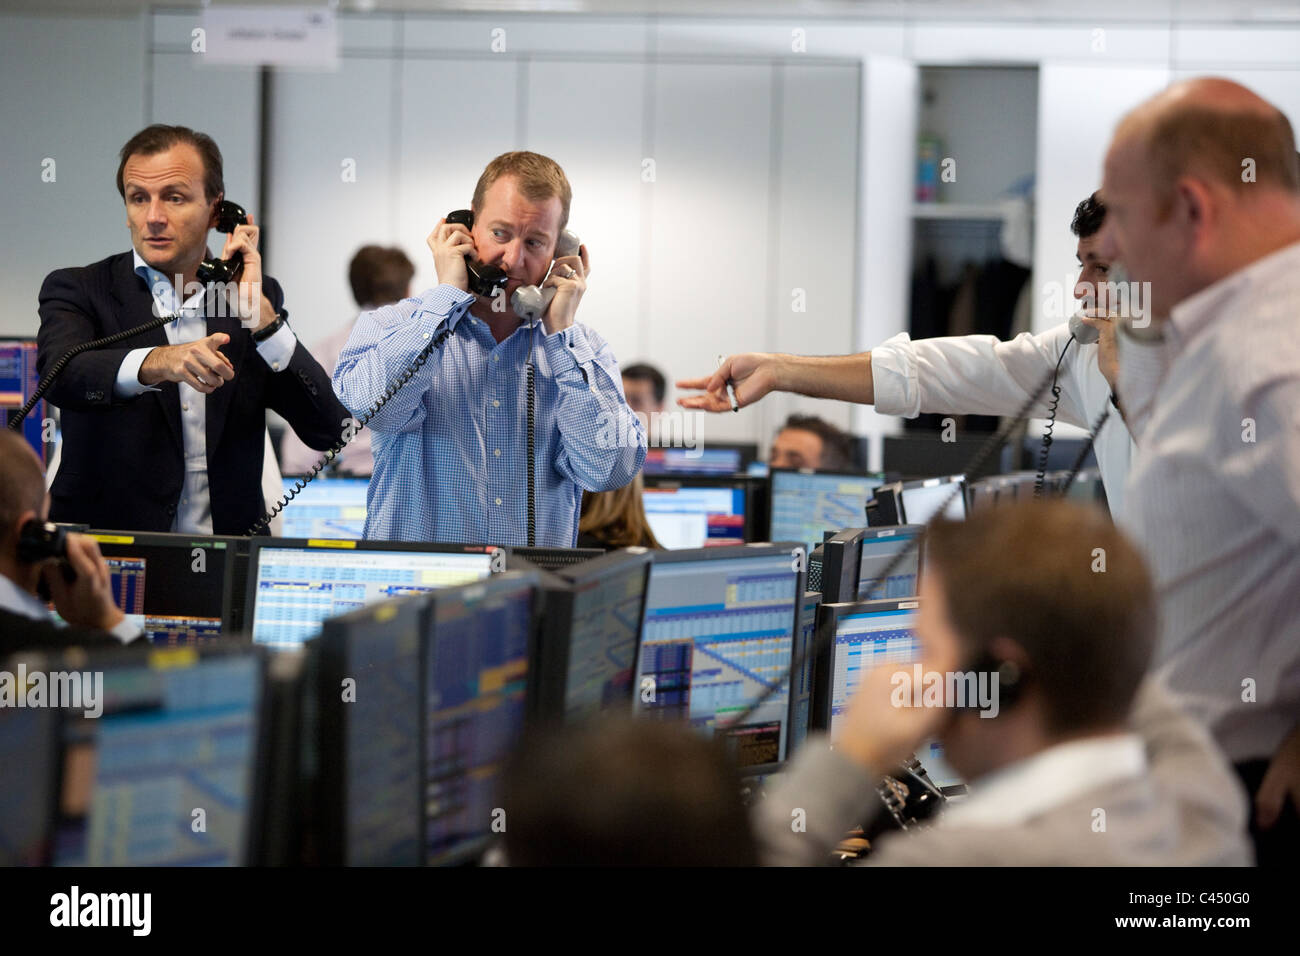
[229, 215]
[41, 541]
[484, 280]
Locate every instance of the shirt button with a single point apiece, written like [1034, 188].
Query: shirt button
[275, 366]
[496, 358]
[185, 406]
[426, 335]
[498, 501]
[495, 403]
[497, 452]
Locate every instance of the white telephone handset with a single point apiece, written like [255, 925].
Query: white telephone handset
[530, 302]
[1083, 334]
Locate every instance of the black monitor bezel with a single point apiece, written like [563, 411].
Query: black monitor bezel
[183, 541]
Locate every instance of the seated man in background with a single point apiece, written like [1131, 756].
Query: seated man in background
[645, 388]
[378, 277]
[806, 441]
[1083, 763]
[85, 603]
[623, 792]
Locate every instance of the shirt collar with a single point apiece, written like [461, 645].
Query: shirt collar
[160, 286]
[13, 598]
[1190, 315]
[1029, 787]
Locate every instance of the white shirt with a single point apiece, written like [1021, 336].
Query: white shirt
[982, 375]
[1029, 787]
[194, 513]
[1214, 495]
[15, 599]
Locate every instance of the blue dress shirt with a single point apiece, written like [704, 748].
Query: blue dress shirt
[450, 447]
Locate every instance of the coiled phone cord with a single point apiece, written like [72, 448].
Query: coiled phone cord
[532, 464]
[15, 422]
[328, 457]
[1040, 479]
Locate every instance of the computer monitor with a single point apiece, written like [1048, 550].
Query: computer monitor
[916, 502]
[592, 629]
[806, 504]
[18, 380]
[801, 703]
[879, 548]
[921, 454]
[371, 718]
[857, 637]
[166, 775]
[835, 565]
[295, 584]
[29, 751]
[718, 631]
[327, 507]
[699, 512]
[179, 588]
[693, 461]
[478, 647]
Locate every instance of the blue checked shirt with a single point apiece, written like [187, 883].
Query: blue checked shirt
[451, 447]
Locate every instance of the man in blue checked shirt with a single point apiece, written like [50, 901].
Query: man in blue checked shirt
[450, 446]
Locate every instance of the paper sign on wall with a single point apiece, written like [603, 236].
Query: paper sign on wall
[271, 36]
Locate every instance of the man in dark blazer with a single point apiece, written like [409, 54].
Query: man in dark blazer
[165, 431]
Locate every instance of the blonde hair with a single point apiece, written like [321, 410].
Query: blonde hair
[618, 517]
[539, 177]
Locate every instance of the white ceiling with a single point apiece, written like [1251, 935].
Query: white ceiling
[1160, 11]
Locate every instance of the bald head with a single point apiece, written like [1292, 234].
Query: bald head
[1200, 181]
[22, 483]
[1214, 129]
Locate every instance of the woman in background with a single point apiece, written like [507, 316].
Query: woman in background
[615, 519]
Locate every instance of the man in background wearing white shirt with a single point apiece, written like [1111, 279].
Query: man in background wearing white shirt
[963, 375]
[1203, 190]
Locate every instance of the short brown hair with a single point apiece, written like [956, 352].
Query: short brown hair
[837, 446]
[22, 486]
[539, 177]
[1214, 143]
[159, 138]
[1030, 572]
[379, 276]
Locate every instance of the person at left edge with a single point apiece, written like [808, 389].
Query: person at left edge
[166, 431]
[450, 446]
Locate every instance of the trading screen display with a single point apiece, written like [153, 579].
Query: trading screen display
[476, 677]
[174, 592]
[603, 641]
[716, 635]
[381, 650]
[18, 380]
[296, 588]
[686, 517]
[879, 548]
[922, 502]
[176, 745]
[692, 461]
[806, 505]
[28, 754]
[329, 508]
[863, 642]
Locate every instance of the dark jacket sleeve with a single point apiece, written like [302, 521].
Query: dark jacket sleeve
[68, 319]
[21, 633]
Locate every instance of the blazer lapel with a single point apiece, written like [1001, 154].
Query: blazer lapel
[135, 308]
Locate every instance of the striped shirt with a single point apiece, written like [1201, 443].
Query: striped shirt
[1214, 498]
[450, 447]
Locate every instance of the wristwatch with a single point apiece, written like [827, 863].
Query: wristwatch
[262, 334]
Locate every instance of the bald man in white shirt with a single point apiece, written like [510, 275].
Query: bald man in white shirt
[1203, 189]
[966, 374]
